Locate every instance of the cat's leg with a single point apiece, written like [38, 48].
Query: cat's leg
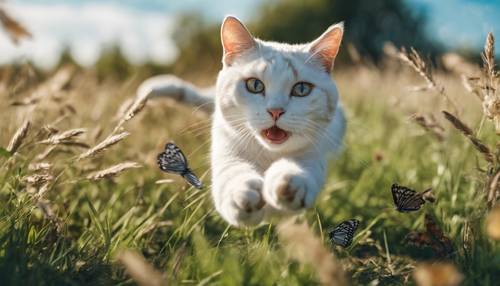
[237, 192]
[292, 184]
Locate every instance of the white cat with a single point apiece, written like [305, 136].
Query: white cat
[276, 116]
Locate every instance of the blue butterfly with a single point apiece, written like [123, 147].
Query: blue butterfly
[343, 233]
[172, 160]
[407, 200]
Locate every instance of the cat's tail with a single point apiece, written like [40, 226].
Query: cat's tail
[173, 87]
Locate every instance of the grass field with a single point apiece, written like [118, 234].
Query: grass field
[60, 223]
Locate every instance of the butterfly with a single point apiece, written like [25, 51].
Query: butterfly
[343, 233]
[172, 160]
[407, 200]
[432, 237]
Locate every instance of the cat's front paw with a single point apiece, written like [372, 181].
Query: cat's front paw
[243, 204]
[288, 189]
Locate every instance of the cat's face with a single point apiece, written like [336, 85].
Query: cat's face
[280, 94]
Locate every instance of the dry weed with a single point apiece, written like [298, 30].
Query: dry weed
[414, 60]
[491, 102]
[108, 142]
[42, 166]
[493, 190]
[18, 137]
[14, 29]
[480, 146]
[493, 223]
[64, 137]
[307, 248]
[140, 270]
[430, 124]
[38, 179]
[132, 111]
[437, 274]
[113, 171]
[52, 87]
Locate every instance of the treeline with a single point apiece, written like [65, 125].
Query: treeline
[369, 25]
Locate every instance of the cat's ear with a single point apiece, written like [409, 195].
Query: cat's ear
[325, 48]
[236, 39]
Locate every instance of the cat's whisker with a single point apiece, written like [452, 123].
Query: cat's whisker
[206, 124]
[209, 140]
[195, 126]
[203, 130]
[337, 142]
[199, 107]
[323, 132]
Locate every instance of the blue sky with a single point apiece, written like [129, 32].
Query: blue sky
[461, 23]
[143, 27]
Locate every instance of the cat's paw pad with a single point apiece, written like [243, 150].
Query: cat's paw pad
[244, 204]
[286, 191]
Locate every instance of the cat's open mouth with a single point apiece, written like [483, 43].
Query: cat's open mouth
[275, 135]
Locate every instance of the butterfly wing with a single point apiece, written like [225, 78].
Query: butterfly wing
[343, 233]
[192, 179]
[396, 193]
[405, 198]
[172, 160]
[413, 203]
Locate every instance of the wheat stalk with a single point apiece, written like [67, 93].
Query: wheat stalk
[113, 171]
[97, 133]
[50, 87]
[491, 102]
[132, 111]
[51, 130]
[38, 179]
[140, 270]
[15, 30]
[465, 130]
[471, 85]
[415, 61]
[304, 246]
[164, 181]
[64, 137]
[42, 190]
[19, 137]
[488, 57]
[42, 166]
[108, 142]
[45, 153]
[75, 144]
[430, 125]
[493, 190]
[124, 108]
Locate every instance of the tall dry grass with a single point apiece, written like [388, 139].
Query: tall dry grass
[81, 184]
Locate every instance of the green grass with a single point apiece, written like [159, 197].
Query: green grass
[177, 229]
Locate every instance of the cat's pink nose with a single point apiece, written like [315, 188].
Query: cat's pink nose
[276, 113]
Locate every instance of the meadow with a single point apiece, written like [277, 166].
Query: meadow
[82, 201]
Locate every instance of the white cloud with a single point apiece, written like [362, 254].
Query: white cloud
[86, 28]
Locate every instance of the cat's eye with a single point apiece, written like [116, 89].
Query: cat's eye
[254, 85]
[302, 89]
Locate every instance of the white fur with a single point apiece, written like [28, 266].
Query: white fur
[253, 179]
[178, 89]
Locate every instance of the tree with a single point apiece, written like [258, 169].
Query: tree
[368, 25]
